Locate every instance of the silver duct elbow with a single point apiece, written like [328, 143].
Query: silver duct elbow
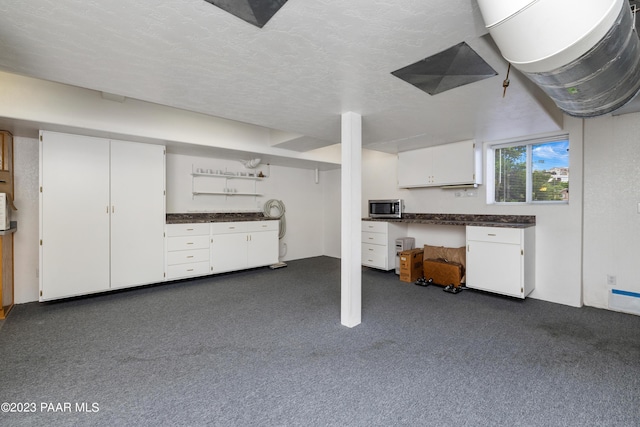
[588, 64]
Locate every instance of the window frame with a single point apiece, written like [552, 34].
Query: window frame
[529, 143]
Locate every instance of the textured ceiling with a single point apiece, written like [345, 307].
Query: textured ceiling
[312, 61]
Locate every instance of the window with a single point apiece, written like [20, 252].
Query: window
[531, 171]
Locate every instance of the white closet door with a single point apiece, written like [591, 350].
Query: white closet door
[74, 227]
[137, 213]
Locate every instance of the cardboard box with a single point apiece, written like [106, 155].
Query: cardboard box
[411, 265]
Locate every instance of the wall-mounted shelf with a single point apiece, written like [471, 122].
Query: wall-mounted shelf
[226, 176]
[222, 193]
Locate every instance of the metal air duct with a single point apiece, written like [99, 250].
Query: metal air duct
[585, 55]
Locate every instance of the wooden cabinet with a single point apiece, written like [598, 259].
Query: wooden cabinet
[6, 236]
[241, 245]
[187, 250]
[379, 243]
[501, 260]
[6, 272]
[102, 213]
[458, 163]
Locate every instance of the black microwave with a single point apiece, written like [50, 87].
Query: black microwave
[391, 208]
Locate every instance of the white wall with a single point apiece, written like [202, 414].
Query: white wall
[611, 213]
[25, 152]
[331, 203]
[296, 188]
[558, 227]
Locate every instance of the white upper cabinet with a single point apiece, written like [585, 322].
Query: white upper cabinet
[458, 163]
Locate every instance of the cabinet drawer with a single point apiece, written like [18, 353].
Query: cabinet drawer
[187, 229]
[374, 238]
[373, 250]
[229, 227]
[495, 234]
[374, 260]
[375, 226]
[263, 225]
[181, 271]
[183, 243]
[186, 257]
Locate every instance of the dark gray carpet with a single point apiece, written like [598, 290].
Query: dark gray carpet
[265, 347]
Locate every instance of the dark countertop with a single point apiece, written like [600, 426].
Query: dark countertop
[507, 221]
[186, 218]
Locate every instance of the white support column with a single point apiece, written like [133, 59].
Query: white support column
[351, 270]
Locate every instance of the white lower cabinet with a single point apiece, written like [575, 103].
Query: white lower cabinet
[187, 250]
[379, 243]
[209, 248]
[501, 260]
[241, 245]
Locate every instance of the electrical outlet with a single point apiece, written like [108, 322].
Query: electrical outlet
[471, 193]
[611, 280]
[458, 194]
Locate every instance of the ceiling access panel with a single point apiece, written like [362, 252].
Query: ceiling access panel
[454, 67]
[256, 12]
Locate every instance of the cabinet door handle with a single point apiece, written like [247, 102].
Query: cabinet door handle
[189, 229]
[190, 269]
[113, 209]
[491, 234]
[189, 256]
[189, 243]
